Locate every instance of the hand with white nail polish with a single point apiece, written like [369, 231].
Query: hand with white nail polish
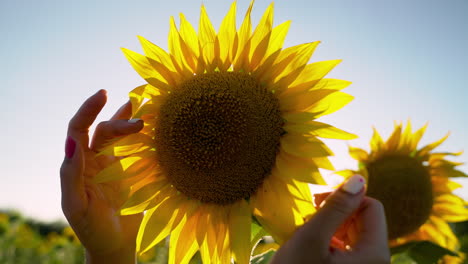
[348, 228]
[91, 209]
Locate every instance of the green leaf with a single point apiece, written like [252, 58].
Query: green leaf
[421, 252]
[402, 258]
[257, 231]
[263, 258]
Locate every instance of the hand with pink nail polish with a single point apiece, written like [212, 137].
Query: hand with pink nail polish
[91, 209]
[348, 228]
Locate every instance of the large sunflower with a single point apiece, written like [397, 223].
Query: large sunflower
[414, 186]
[230, 136]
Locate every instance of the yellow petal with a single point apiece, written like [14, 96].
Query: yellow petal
[450, 241]
[346, 173]
[437, 156]
[143, 67]
[304, 146]
[291, 103]
[289, 60]
[449, 199]
[332, 84]
[425, 150]
[212, 229]
[296, 66]
[183, 244]
[206, 38]
[278, 35]
[151, 107]
[189, 35]
[310, 78]
[300, 191]
[168, 76]
[319, 129]
[156, 53]
[159, 222]
[358, 154]
[225, 254]
[394, 140]
[298, 117]
[128, 145]
[273, 206]
[262, 30]
[244, 41]
[138, 94]
[441, 185]
[405, 139]
[226, 36]
[324, 163]
[433, 234]
[279, 223]
[417, 137]
[148, 197]
[376, 142]
[301, 169]
[450, 208]
[316, 71]
[124, 168]
[259, 53]
[222, 237]
[179, 49]
[330, 104]
[239, 231]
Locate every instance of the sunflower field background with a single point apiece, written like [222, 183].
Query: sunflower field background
[24, 240]
[406, 59]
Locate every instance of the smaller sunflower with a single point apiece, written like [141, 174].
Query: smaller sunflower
[414, 185]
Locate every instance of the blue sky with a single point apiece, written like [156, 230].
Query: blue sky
[406, 59]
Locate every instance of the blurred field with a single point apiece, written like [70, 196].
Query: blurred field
[27, 241]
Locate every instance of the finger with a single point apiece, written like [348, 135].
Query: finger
[371, 224]
[337, 243]
[124, 112]
[336, 208]
[319, 198]
[352, 233]
[109, 130]
[372, 240]
[74, 199]
[78, 127]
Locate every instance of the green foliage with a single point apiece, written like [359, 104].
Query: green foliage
[461, 230]
[421, 252]
[264, 258]
[26, 241]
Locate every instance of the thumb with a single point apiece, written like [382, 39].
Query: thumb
[334, 210]
[72, 180]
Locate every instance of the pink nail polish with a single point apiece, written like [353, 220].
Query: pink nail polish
[70, 146]
[354, 184]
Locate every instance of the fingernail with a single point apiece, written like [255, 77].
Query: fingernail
[354, 184]
[134, 120]
[70, 146]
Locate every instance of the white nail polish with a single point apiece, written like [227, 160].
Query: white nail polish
[134, 120]
[354, 184]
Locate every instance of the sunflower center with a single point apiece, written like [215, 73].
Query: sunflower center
[403, 185]
[218, 136]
